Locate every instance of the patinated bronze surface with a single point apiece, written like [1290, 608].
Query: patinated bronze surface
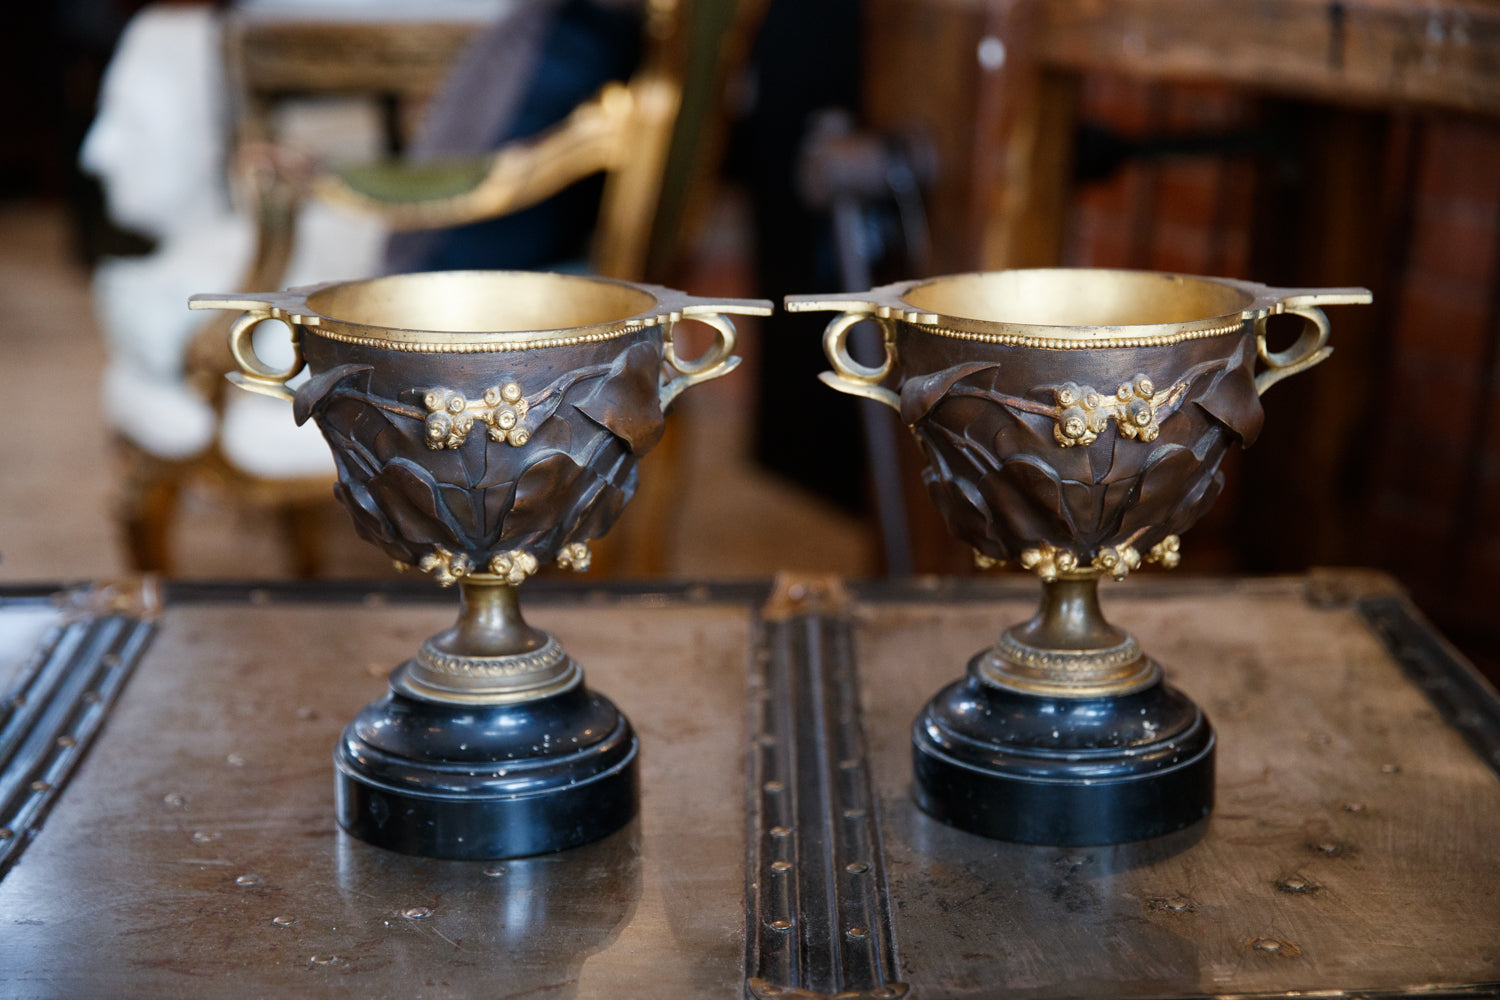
[1074, 421]
[1074, 418]
[483, 424]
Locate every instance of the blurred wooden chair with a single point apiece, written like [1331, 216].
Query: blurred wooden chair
[158, 145]
[655, 138]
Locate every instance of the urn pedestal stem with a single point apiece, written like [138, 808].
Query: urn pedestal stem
[489, 621]
[1067, 649]
[1069, 616]
[490, 656]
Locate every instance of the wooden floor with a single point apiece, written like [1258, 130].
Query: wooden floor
[58, 475]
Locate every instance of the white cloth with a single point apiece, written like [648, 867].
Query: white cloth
[259, 437]
[159, 415]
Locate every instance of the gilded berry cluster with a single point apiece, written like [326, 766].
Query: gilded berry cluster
[450, 416]
[1084, 412]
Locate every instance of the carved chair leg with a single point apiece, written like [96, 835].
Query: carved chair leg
[149, 512]
[301, 533]
[660, 491]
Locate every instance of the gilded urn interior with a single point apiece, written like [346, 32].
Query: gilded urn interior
[1078, 297]
[458, 302]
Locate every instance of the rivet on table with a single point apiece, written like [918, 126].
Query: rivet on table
[1296, 884]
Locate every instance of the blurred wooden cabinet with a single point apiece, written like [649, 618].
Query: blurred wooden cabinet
[1357, 144]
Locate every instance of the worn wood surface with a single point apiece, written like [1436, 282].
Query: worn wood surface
[1350, 826]
[194, 851]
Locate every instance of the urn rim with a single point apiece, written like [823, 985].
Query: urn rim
[479, 310]
[1087, 305]
[1075, 308]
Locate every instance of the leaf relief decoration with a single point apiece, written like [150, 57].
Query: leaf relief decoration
[477, 493]
[1004, 483]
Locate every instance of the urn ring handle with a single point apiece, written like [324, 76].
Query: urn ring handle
[1311, 346]
[254, 374]
[848, 375]
[719, 358]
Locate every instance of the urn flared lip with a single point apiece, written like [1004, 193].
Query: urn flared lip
[1076, 308]
[478, 311]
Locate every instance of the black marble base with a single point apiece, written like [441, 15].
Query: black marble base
[452, 780]
[1063, 771]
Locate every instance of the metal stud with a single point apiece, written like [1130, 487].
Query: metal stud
[1296, 884]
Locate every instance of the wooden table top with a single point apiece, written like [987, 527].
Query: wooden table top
[167, 786]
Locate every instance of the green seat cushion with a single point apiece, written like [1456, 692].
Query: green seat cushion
[396, 182]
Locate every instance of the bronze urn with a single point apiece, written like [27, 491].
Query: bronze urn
[484, 424]
[1073, 422]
